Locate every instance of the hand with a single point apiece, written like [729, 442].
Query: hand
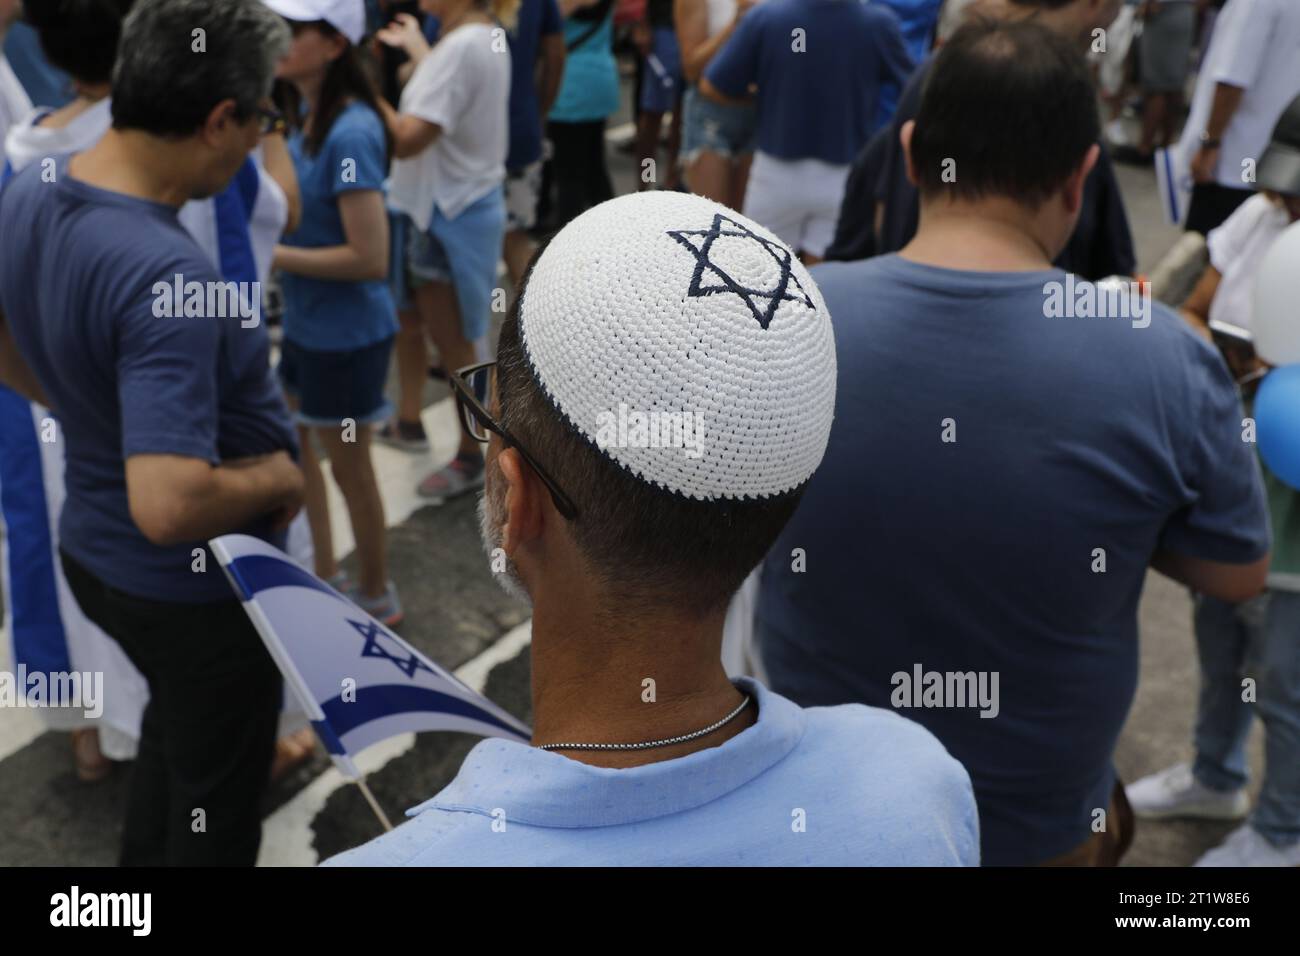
[642, 37]
[1204, 164]
[404, 34]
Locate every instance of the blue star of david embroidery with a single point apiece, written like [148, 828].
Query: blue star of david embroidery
[717, 280]
[371, 632]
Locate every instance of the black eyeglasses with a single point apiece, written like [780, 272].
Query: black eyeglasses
[474, 386]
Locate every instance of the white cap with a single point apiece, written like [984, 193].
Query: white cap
[663, 303]
[346, 16]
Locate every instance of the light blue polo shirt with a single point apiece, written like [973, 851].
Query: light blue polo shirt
[828, 786]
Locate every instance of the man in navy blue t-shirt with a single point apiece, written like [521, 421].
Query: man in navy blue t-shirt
[1012, 449]
[175, 430]
[819, 66]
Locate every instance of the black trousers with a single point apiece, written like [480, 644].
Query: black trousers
[1211, 204]
[209, 729]
[578, 167]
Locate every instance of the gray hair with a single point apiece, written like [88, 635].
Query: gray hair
[177, 59]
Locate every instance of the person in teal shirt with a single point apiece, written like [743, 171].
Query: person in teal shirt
[588, 96]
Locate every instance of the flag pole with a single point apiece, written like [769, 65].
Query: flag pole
[374, 804]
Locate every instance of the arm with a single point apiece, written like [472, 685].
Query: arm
[279, 166]
[14, 372]
[692, 19]
[174, 499]
[1196, 310]
[550, 71]
[365, 255]
[1218, 579]
[1226, 100]
[731, 74]
[411, 136]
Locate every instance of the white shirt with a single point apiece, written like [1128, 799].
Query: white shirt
[1236, 249]
[14, 104]
[463, 86]
[1256, 46]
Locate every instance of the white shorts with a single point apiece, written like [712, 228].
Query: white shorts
[799, 200]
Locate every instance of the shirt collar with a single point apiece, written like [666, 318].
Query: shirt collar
[542, 788]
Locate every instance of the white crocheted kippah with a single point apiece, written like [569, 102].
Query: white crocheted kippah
[687, 343]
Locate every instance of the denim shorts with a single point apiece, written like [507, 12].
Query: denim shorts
[661, 77]
[729, 131]
[332, 386]
[415, 258]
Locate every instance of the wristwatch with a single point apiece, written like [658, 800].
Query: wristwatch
[1210, 142]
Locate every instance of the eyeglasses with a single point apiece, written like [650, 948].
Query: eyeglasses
[474, 387]
[273, 120]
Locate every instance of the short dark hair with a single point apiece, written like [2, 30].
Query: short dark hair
[79, 36]
[166, 85]
[648, 545]
[1009, 108]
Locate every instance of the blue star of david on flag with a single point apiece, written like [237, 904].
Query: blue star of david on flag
[371, 632]
[711, 279]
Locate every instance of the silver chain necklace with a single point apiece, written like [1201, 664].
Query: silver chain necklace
[654, 743]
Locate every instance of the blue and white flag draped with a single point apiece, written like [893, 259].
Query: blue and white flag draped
[358, 681]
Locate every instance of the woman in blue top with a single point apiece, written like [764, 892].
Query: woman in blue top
[339, 316]
[588, 95]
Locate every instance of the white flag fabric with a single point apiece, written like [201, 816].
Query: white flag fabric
[358, 681]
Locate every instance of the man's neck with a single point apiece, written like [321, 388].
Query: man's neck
[978, 237]
[136, 164]
[629, 678]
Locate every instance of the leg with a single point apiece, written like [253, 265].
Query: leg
[1223, 719]
[437, 304]
[354, 473]
[315, 502]
[1277, 664]
[412, 364]
[710, 175]
[740, 180]
[648, 125]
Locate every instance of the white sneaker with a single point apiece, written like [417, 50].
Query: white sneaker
[1246, 846]
[1176, 793]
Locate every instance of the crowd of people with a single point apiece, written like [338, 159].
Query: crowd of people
[941, 502]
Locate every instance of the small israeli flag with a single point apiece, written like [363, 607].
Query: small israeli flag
[1173, 183]
[358, 682]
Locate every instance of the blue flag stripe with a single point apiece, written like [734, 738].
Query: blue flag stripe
[261, 572]
[386, 700]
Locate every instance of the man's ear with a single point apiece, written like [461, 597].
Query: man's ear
[524, 501]
[1074, 185]
[218, 119]
[905, 137]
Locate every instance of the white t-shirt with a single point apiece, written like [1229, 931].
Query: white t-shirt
[14, 104]
[463, 86]
[1256, 46]
[1236, 250]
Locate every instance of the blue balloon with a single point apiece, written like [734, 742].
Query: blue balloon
[1277, 423]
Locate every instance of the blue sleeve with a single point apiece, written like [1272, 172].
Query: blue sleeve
[1228, 517]
[357, 153]
[167, 373]
[552, 22]
[735, 66]
[432, 25]
[895, 62]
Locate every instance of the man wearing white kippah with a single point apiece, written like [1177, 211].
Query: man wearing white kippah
[663, 393]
